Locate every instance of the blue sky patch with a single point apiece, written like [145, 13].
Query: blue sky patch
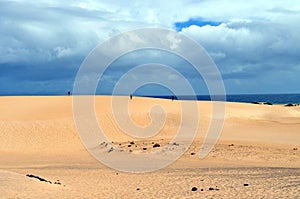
[195, 21]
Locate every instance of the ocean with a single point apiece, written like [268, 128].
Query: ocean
[247, 98]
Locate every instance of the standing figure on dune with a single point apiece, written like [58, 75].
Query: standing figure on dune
[130, 96]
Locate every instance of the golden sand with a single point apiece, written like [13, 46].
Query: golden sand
[256, 156]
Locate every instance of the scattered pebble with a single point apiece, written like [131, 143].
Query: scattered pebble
[192, 153]
[138, 189]
[144, 148]
[132, 142]
[111, 149]
[231, 145]
[194, 189]
[246, 185]
[129, 145]
[202, 189]
[156, 145]
[295, 149]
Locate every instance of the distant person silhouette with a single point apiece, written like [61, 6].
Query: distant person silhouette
[69, 93]
[172, 98]
[130, 96]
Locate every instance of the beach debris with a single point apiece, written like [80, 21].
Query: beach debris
[156, 145]
[246, 184]
[255, 103]
[43, 179]
[194, 189]
[213, 189]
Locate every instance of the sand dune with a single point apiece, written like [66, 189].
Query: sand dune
[259, 146]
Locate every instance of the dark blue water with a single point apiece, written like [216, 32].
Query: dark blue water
[248, 98]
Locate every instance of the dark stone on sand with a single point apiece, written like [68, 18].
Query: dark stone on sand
[289, 105]
[111, 149]
[202, 189]
[156, 145]
[211, 189]
[231, 145]
[192, 153]
[254, 102]
[129, 145]
[138, 189]
[102, 143]
[246, 185]
[132, 142]
[267, 103]
[194, 189]
[144, 148]
[295, 149]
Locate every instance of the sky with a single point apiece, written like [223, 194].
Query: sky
[255, 44]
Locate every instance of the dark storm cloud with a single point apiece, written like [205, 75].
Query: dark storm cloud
[42, 44]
